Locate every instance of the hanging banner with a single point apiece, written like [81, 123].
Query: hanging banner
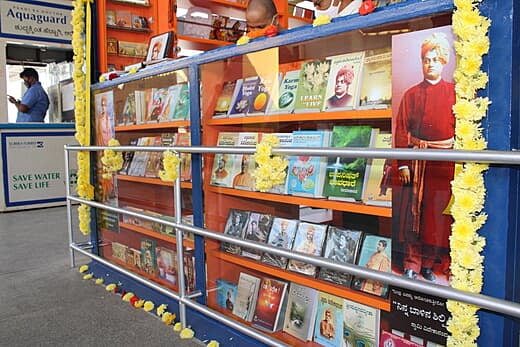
[39, 21]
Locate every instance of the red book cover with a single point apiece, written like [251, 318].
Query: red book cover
[270, 304]
[389, 339]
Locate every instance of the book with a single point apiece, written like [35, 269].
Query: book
[306, 174]
[376, 85]
[140, 106]
[189, 269]
[389, 339]
[226, 294]
[242, 102]
[270, 305]
[158, 102]
[169, 103]
[266, 89]
[360, 324]
[375, 254]
[140, 159]
[184, 139]
[344, 82]
[378, 190]
[182, 106]
[328, 326]
[127, 158]
[300, 315]
[154, 159]
[133, 257]
[166, 264]
[225, 98]
[224, 165]
[235, 227]
[345, 177]
[309, 239]
[312, 84]
[286, 140]
[286, 94]
[128, 116]
[342, 246]
[247, 294]
[257, 229]
[282, 235]
[119, 251]
[245, 164]
[148, 260]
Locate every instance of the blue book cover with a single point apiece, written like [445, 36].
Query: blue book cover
[328, 327]
[244, 99]
[226, 294]
[306, 174]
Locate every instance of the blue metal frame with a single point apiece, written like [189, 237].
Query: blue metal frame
[501, 127]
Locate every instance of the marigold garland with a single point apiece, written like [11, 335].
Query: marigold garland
[468, 187]
[112, 161]
[82, 119]
[270, 170]
[171, 167]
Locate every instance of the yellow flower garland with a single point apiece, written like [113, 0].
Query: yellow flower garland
[171, 167]
[112, 161]
[82, 119]
[468, 185]
[270, 170]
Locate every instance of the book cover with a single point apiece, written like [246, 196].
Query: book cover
[281, 235]
[376, 85]
[300, 315]
[345, 177]
[247, 294]
[148, 260]
[286, 140]
[312, 84]
[309, 239]
[360, 324]
[328, 326]
[225, 98]
[389, 339]
[270, 305]
[140, 160]
[342, 246]
[124, 19]
[242, 102]
[119, 251]
[154, 159]
[235, 227]
[182, 106]
[306, 174]
[286, 94]
[127, 158]
[189, 270]
[257, 230]
[133, 258]
[379, 184]
[169, 104]
[376, 255]
[245, 164]
[184, 139]
[266, 89]
[224, 165]
[226, 294]
[344, 82]
[128, 116]
[140, 106]
[158, 102]
[166, 264]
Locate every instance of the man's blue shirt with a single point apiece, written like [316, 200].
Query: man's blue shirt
[37, 101]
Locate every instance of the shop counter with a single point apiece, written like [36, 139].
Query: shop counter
[33, 165]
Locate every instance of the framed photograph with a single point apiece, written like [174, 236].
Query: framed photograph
[159, 46]
[139, 22]
[112, 45]
[111, 17]
[132, 49]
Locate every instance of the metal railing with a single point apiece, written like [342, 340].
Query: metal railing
[486, 302]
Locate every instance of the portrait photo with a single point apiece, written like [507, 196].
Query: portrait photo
[159, 46]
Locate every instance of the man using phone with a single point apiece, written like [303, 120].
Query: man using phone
[35, 102]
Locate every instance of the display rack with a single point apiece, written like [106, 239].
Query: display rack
[211, 210]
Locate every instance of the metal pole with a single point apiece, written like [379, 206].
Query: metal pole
[487, 302]
[69, 207]
[180, 252]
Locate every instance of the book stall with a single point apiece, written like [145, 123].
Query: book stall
[345, 183]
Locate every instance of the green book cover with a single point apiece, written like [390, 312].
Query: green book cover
[344, 177]
[182, 108]
[312, 85]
